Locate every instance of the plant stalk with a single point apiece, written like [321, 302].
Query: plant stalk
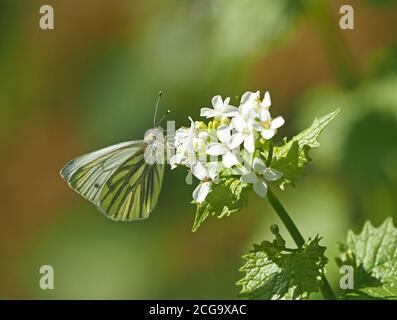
[324, 286]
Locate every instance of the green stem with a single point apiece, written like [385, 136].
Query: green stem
[270, 155]
[324, 286]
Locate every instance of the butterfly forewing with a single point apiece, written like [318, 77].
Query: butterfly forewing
[88, 173]
[117, 180]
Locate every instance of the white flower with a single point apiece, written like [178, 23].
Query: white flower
[259, 175]
[189, 143]
[228, 143]
[221, 109]
[252, 101]
[268, 126]
[206, 176]
[245, 131]
[185, 135]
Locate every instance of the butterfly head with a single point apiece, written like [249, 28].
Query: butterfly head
[154, 135]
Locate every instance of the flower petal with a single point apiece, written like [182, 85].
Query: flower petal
[175, 160]
[249, 178]
[246, 109]
[229, 111]
[260, 188]
[229, 160]
[198, 170]
[201, 192]
[212, 170]
[215, 149]
[249, 143]
[266, 103]
[207, 112]
[217, 102]
[277, 123]
[223, 133]
[259, 165]
[268, 133]
[203, 135]
[236, 140]
[173, 163]
[247, 97]
[272, 174]
[238, 123]
[189, 178]
[264, 115]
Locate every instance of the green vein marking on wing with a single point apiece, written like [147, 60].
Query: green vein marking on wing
[117, 180]
[132, 194]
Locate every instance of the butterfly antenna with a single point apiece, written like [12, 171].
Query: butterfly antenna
[157, 108]
[163, 117]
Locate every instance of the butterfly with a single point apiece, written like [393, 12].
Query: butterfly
[124, 180]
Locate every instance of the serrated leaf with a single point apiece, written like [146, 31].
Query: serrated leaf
[226, 197]
[272, 274]
[291, 157]
[373, 256]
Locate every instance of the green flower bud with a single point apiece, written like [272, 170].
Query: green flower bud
[274, 229]
[214, 124]
[225, 121]
[200, 125]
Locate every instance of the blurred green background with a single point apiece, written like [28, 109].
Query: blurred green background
[93, 81]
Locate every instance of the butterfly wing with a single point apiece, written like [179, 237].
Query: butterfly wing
[131, 193]
[119, 174]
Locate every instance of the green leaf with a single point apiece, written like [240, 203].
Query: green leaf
[373, 256]
[229, 195]
[291, 157]
[271, 273]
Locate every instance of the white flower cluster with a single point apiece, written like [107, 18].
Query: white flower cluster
[231, 132]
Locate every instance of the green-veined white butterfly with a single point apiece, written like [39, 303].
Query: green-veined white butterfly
[124, 180]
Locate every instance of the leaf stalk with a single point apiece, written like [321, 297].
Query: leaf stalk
[324, 285]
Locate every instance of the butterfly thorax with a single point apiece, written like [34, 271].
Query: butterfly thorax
[155, 150]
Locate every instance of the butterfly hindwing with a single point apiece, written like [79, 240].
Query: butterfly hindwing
[117, 180]
[131, 193]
